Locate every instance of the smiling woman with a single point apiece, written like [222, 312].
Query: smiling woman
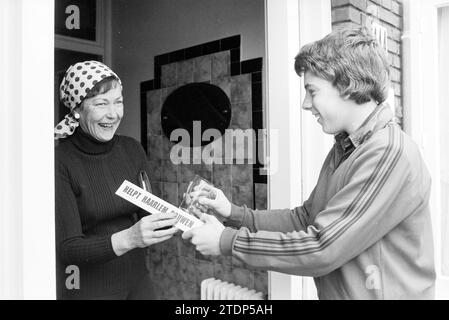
[98, 234]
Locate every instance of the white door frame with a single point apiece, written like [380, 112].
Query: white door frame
[27, 230]
[288, 26]
[421, 104]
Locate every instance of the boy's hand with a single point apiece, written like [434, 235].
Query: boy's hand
[214, 199]
[206, 238]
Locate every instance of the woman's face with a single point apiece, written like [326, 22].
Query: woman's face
[100, 115]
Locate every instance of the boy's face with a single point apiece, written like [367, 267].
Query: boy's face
[324, 101]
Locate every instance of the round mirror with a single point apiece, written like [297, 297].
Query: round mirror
[192, 102]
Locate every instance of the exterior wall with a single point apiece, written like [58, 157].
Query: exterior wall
[389, 14]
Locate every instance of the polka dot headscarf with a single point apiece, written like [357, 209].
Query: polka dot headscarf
[79, 79]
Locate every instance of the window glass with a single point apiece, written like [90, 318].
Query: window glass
[76, 18]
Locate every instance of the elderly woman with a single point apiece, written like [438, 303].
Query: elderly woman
[99, 236]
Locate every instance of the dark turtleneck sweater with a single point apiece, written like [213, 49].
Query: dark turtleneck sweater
[88, 212]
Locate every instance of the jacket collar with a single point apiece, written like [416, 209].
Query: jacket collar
[377, 120]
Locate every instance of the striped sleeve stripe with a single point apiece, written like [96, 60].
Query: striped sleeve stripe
[353, 213]
[321, 236]
[295, 251]
[326, 232]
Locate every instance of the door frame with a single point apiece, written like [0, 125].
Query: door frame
[421, 105]
[295, 158]
[27, 229]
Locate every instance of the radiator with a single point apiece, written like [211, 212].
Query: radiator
[214, 289]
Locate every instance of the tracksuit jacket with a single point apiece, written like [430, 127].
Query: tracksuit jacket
[365, 231]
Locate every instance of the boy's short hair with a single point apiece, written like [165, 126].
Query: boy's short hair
[352, 60]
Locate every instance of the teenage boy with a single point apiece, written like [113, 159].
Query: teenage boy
[365, 231]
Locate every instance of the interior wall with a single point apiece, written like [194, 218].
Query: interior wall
[142, 29]
[176, 269]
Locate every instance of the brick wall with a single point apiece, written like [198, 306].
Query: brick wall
[387, 13]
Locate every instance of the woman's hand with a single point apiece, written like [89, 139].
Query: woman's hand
[144, 233]
[213, 198]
